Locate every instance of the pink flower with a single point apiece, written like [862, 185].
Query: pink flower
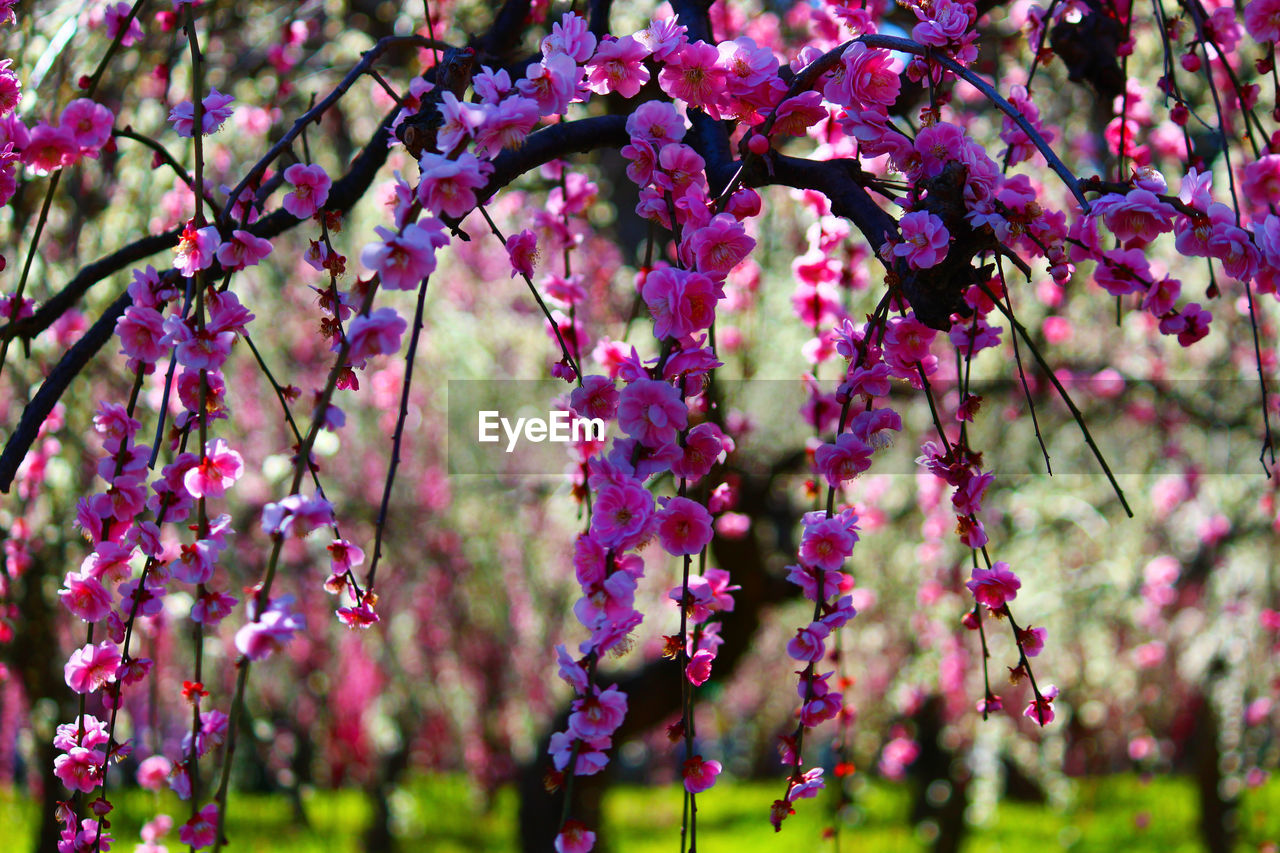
[260, 639]
[865, 77]
[551, 84]
[995, 586]
[925, 240]
[652, 412]
[202, 829]
[681, 302]
[1190, 325]
[571, 37]
[1262, 20]
[574, 837]
[1139, 215]
[153, 771]
[85, 597]
[795, 116]
[115, 16]
[698, 669]
[1261, 182]
[141, 333]
[242, 250]
[196, 249]
[80, 769]
[700, 774]
[656, 122]
[808, 786]
[720, 245]
[596, 398]
[310, 190]
[216, 110]
[90, 667]
[405, 259]
[684, 526]
[1032, 640]
[844, 460]
[461, 120]
[618, 66]
[1041, 710]
[50, 148]
[599, 715]
[296, 515]
[809, 644]
[89, 124]
[10, 93]
[216, 472]
[621, 516]
[448, 186]
[504, 125]
[703, 446]
[692, 75]
[522, 249]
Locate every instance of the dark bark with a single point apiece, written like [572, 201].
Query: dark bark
[940, 781]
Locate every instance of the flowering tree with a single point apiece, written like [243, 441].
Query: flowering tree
[949, 177]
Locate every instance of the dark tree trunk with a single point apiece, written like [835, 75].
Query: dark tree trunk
[1217, 813]
[941, 782]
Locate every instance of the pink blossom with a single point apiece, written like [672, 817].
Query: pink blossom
[153, 771]
[622, 515]
[212, 607]
[216, 472]
[505, 125]
[571, 37]
[80, 769]
[1262, 20]
[1032, 640]
[310, 190]
[448, 186]
[618, 66]
[663, 37]
[596, 398]
[522, 249]
[90, 667]
[678, 168]
[1041, 710]
[1139, 215]
[681, 302]
[795, 116]
[259, 639]
[196, 249]
[296, 515]
[652, 412]
[809, 644]
[656, 122]
[698, 669]
[50, 148]
[202, 829]
[242, 250]
[574, 837]
[703, 446]
[720, 245]
[10, 93]
[925, 240]
[700, 774]
[217, 109]
[85, 597]
[1261, 181]
[403, 260]
[848, 457]
[808, 786]
[115, 16]
[141, 332]
[598, 715]
[692, 75]
[995, 586]
[551, 84]
[866, 77]
[89, 124]
[684, 526]
[461, 120]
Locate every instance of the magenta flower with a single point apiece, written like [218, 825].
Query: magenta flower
[681, 302]
[89, 124]
[153, 771]
[50, 148]
[684, 526]
[809, 644]
[618, 66]
[85, 597]
[570, 36]
[376, 333]
[551, 84]
[141, 333]
[622, 515]
[700, 774]
[216, 472]
[196, 249]
[656, 122]
[720, 245]
[242, 250]
[522, 249]
[114, 18]
[90, 667]
[310, 190]
[692, 74]
[201, 830]
[1262, 20]
[848, 457]
[599, 715]
[503, 125]
[80, 769]
[995, 586]
[217, 109]
[405, 259]
[574, 837]
[925, 240]
[264, 637]
[449, 186]
[698, 669]
[652, 412]
[1041, 710]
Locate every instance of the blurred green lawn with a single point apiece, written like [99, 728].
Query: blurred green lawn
[442, 815]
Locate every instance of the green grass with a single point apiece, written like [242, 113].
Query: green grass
[443, 815]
